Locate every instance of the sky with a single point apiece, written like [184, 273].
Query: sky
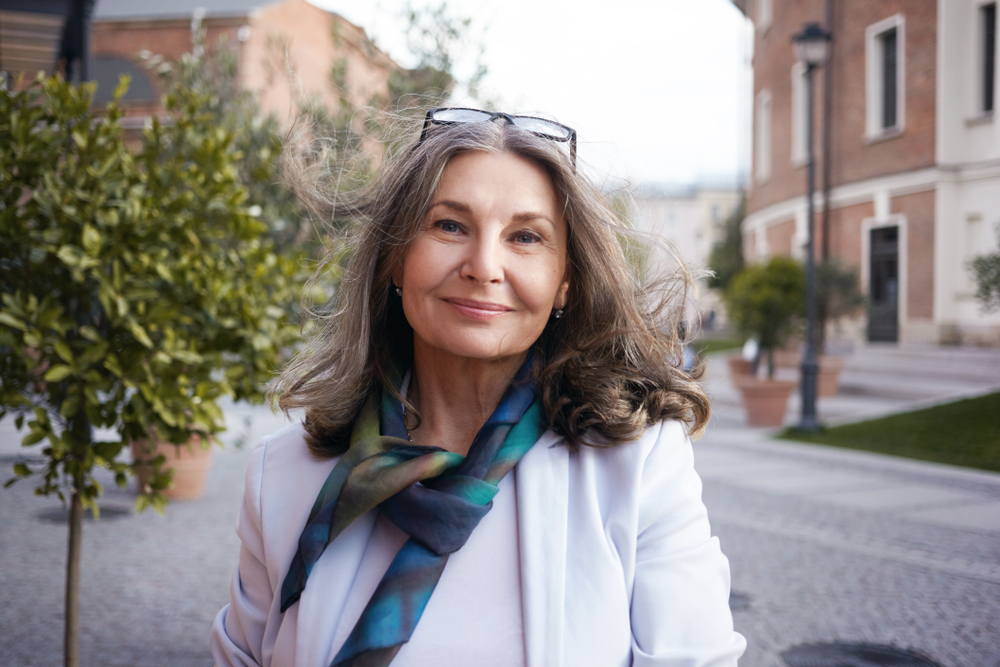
[657, 90]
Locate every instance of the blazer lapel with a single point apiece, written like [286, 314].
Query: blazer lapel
[542, 480]
[322, 602]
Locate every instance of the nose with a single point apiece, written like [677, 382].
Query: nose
[484, 262]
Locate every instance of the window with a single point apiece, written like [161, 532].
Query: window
[762, 137]
[988, 57]
[885, 92]
[889, 67]
[800, 107]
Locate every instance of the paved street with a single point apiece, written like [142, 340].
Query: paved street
[824, 544]
[836, 545]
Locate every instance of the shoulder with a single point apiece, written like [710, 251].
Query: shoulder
[661, 446]
[286, 451]
[287, 441]
[282, 481]
[283, 473]
[654, 470]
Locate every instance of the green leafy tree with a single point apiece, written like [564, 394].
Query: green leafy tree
[986, 272]
[137, 290]
[331, 140]
[726, 257]
[436, 38]
[210, 76]
[764, 301]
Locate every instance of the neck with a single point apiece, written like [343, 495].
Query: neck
[455, 396]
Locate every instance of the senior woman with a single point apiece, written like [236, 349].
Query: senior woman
[494, 466]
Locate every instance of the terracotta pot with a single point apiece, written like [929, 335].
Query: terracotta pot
[738, 367]
[828, 379]
[765, 401]
[190, 463]
[787, 358]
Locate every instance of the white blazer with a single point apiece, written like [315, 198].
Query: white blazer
[626, 574]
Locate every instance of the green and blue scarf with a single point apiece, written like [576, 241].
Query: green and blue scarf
[435, 496]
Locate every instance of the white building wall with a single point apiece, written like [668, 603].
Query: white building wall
[674, 220]
[964, 134]
[690, 222]
[968, 192]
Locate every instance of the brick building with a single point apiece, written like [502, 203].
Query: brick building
[288, 51]
[913, 162]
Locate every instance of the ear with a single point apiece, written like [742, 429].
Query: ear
[561, 298]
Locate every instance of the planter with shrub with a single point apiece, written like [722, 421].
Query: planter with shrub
[765, 302]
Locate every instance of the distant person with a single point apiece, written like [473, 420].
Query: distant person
[689, 359]
[494, 466]
[708, 321]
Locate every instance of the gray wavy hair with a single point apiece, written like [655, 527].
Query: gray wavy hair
[606, 369]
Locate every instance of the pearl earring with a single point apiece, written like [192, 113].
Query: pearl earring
[399, 291]
[557, 313]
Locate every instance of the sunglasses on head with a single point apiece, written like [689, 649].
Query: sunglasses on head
[541, 127]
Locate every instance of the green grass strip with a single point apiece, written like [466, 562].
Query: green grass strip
[710, 345]
[963, 433]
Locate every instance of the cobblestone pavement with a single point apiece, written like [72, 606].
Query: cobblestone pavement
[151, 585]
[825, 545]
[855, 547]
[837, 545]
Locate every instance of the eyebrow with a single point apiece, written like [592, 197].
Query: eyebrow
[460, 207]
[453, 205]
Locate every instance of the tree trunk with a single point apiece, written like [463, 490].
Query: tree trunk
[72, 628]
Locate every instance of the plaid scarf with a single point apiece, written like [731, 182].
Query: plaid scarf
[435, 496]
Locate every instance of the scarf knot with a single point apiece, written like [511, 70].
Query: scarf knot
[435, 496]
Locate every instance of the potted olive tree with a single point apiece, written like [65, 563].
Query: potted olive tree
[136, 292]
[764, 302]
[838, 295]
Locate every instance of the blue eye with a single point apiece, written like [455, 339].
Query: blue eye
[524, 237]
[449, 226]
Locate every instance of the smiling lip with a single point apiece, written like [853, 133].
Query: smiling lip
[478, 310]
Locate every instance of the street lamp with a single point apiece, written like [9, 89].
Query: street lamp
[811, 46]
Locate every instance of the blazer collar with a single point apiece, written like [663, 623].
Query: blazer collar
[542, 481]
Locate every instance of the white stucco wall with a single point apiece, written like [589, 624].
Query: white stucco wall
[968, 193]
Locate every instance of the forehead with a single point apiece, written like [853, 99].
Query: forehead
[498, 179]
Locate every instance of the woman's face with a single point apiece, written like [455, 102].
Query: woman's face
[488, 265]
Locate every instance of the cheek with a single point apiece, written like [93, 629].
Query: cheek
[419, 266]
[541, 288]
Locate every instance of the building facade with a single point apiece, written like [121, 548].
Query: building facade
[908, 179]
[689, 219]
[288, 52]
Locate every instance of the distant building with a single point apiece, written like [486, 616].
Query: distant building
[914, 157]
[287, 51]
[690, 218]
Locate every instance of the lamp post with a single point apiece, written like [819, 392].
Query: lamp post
[811, 46]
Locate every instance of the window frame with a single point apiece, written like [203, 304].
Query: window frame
[874, 78]
[763, 136]
[800, 107]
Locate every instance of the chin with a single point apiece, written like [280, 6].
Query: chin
[478, 348]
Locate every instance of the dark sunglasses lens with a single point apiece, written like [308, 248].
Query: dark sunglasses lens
[460, 116]
[542, 126]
